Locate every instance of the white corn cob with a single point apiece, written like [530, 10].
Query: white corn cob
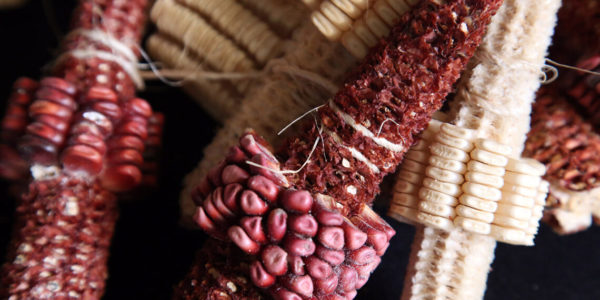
[472, 188]
[270, 106]
[357, 24]
[219, 36]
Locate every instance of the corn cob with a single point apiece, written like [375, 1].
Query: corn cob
[218, 273]
[84, 141]
[332, 230]
[289, 96]
[12, 166]
[464, 181]
[357, 24]
[572, 163]
[221, 36]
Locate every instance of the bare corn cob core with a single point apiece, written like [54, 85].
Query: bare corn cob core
[319, 216]
[227, 36]
[84, 140]
[288, 96]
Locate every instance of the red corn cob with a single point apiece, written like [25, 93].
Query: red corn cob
[152, 150]
[16, 119]
[574, 162]
[218, 273]
[568, 146]
[63, 253]
[404, 79]
[85, 119]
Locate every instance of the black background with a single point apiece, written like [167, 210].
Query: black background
[150, 252]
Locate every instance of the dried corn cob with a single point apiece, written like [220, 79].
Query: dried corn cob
[464, 182]
[12, 166]
[220, 36]
[84, 141]
[236, 196]
[218, 273]
[572, 163]
[288, 95]
[358, 24]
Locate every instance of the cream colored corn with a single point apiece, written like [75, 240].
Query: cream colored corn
[465, 181]
[357, 24]
[228, 36]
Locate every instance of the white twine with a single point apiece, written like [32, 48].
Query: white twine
[275, 66]
[153, 66]
[283, 172]
[300, 118]
[120, 53]
[320, 130]
[382, 142]
[383, 123]
[571, 67]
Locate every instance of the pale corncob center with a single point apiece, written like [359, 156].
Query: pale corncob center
[289, 96]
[448, 265]
[219, 36]
[357, 24]
[502, 196]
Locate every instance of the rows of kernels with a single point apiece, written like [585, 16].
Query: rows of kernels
[459, 181]
[358, 24]
[445, 173]
[410, 176]
[482, 192]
